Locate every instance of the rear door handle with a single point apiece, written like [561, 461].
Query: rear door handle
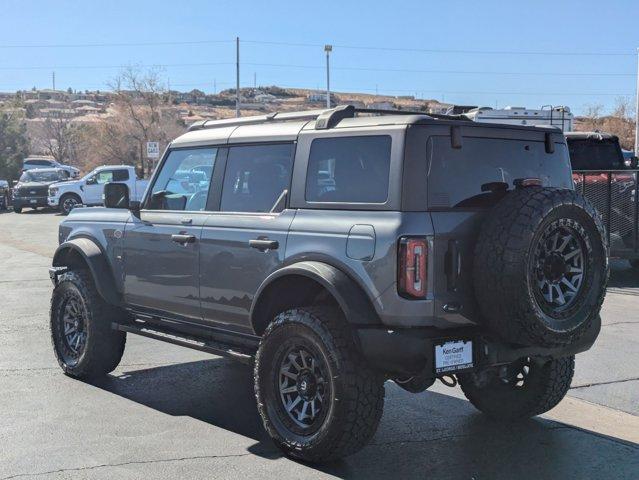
[183, 239]
[264, 244]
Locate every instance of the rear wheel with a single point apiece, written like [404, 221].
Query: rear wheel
[520, 390]
[17, 209]
[84, 343]
[317, 398]
[634, 264]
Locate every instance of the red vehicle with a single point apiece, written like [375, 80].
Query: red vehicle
[609, 181]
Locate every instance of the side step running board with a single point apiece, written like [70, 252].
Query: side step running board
[204, 345]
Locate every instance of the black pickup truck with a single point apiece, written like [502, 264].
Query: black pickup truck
[609, 181]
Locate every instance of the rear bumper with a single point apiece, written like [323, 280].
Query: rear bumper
[24, 202]
[411, 351]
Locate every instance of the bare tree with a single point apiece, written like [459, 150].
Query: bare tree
[60, 138]
[142, 112]
[593, 116]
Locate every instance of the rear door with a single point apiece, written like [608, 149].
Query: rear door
[162, 244]
[245, 240]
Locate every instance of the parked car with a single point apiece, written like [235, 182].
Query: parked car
[335, 250]
[33, 186]
[629, 158]
[604, 175]
[32, 162]
[89, 189]
[5, 194]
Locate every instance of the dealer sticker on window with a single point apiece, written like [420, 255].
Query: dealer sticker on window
[453, 356]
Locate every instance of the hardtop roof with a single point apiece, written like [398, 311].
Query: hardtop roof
[286, 126]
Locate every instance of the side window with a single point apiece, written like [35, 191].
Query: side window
[184, 180]
[105, 176]
[120, 175]
[349, 169]
[256, 177]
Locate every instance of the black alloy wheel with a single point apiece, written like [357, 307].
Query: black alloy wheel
[304, 386]
[72, 328]
[68, 204]
[560, 263]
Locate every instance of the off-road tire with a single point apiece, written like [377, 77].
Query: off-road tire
[543, 388]
[104, 346]
[357, 392]
[503, 262]
[68, 196]
[17, 209]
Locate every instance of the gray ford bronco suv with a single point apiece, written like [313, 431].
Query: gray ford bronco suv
[337, 249]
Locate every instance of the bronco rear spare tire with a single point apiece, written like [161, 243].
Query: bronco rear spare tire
[541, 267]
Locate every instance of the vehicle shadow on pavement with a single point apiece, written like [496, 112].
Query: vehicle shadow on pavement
[428, 435]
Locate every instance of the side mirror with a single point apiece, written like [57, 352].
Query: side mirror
[116, 195]
[14, 183]
[91, 180]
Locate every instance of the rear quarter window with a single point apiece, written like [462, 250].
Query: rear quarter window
[590, 154]
[349, 169]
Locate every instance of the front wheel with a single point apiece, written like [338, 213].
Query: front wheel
[17, 209]
[84, 343]
[317, 398]
[521, 389]
[68, 203]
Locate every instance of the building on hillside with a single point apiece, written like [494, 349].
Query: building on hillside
[57, 113]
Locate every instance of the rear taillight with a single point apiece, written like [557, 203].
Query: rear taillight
[412, 267]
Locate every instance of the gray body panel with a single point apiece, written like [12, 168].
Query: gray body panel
[231, 271]
[160, 273]
[216, 279]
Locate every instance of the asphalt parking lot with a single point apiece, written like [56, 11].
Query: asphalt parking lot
[168, 411]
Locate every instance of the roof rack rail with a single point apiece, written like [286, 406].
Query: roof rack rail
[324, 119]
[256, 119]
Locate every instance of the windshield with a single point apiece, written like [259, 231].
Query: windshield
[589, 154]
[35, 176]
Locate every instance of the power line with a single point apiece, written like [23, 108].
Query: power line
[317, 45]
[127, 44]
[447, 51]
[289, 65]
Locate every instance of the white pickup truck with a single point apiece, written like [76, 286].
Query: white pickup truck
[88, 190]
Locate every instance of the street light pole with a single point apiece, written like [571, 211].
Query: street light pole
[328, 49]
[637, 110]
[237, 76]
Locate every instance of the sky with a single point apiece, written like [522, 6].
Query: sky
[488, 52]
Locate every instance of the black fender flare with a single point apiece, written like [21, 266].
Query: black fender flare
[95, 259]
[350, 297]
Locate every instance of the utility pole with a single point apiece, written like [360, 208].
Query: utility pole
[637, 110]
[254, 79]
[328, 49]
[53, 79]
[237, 76]
[214, 86]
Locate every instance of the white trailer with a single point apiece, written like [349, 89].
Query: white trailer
[557, 116]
